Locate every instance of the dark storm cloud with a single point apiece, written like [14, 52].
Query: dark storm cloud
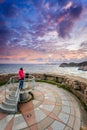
[10, 10]
[64, 28]
[38, 3]
[69, 17]
[2, 22]
[4, 33]
[84, 45]
[76, 11]
[34, 18]
[63, 2]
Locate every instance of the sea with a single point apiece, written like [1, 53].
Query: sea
[42, 68]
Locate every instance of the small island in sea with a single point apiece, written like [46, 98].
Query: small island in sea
[81, 65]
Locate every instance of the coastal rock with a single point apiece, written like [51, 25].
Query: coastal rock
[81, 65]
[84, 68]
[72, 64]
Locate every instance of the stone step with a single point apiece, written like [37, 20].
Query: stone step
[8, 105]
[12, 97]
[9, 100]
[7, 110]
[12, 94]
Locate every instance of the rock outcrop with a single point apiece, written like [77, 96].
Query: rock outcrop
[84, 68]
[72, 64]
[81, 65]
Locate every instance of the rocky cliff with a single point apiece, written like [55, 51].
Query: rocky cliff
[81, 65]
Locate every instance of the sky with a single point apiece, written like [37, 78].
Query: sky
[43, 31]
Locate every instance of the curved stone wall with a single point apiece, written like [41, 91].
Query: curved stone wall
[76, 84]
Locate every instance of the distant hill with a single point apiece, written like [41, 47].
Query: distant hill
[72, 64]
[81, 65]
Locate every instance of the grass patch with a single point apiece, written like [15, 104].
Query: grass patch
[2, 83]
[47, 81]
[83, 104]
[65, 87]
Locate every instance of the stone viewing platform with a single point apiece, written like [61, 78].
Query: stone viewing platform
[52, 108]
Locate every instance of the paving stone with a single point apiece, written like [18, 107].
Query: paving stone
[65, 103]
[47, 107]
[66, 109]
[4, 122]
[39, 115]
[72, 111]
[36, 103]
[63, 97]
[52, 109]
[77, 124]
[57, 126]
[10, 124]
[45, 123]
[3, 115]
[51, 98]
[77, 111]
[63, 117]
[71, 121]
[57, 109]
[19, 122]
[68, 128]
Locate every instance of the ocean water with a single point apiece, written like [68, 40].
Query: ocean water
[42, 68]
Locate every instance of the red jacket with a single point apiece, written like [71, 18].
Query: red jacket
[21, 74]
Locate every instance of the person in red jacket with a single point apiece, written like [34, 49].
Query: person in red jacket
[21, 78]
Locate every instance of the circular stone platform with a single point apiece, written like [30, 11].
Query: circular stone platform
[52, 109]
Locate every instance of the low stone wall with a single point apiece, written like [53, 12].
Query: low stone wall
[5, 78]
[76, 84]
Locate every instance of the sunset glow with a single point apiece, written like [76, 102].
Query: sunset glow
[43, 31]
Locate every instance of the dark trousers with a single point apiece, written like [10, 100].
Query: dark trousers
[21, 82]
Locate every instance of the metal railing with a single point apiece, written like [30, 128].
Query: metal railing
[17, 98]
[13, 86]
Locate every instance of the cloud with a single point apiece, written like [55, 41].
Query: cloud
[2, 1]
[38, 59]
[84, 45]
[62, 2]
[75, 11]
[64, 28]
[2, 22]
[29, 25]
[38, 3]
[10, 10]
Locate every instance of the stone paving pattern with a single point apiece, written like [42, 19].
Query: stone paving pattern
[52, 109]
